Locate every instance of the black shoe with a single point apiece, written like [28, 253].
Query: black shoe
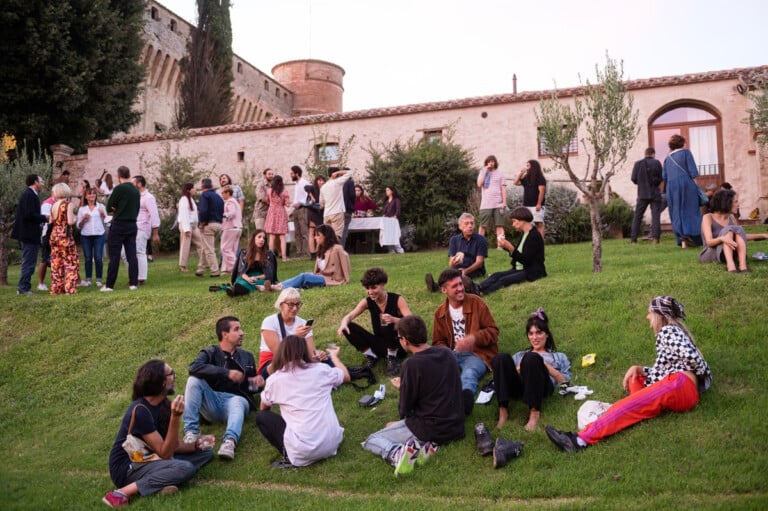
[213, 289]
[283, 464]
[370, 362]
[564, 440]
[469, 286]
[505, 450]
[469, 401]
[393, 366]
[483, 439]
[431, 286]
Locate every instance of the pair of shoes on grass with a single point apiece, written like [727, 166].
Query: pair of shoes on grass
[410, 454]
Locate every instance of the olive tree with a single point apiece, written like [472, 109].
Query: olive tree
[604, 112]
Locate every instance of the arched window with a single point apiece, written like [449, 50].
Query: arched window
[702, 129]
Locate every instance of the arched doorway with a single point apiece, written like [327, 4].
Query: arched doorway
[701, 126]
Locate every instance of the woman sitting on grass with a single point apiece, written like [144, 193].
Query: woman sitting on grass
[331, 265]
[307, 429]
[530, 375]
[674, 383]
[724, 239]
[256, 267]
[277, 327]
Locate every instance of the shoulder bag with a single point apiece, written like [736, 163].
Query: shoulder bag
[703, 199]
[137, 449]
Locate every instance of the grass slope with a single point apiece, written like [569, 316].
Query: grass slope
[68, 362]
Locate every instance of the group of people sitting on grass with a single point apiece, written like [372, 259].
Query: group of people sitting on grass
[437, 382]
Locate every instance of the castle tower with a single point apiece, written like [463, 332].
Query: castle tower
[318, 86]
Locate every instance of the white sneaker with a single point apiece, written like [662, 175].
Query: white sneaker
[42, 287]
[190, 437]
[84, 283]
[227, 449]
[133, 288]
[98, 283]
[106, 289]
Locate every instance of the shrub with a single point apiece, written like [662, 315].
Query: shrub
[561, 201]
[169, 234]
[429, 176]
[616, 216]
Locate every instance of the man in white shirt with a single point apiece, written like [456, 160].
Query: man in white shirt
[332, 199]
[299, 215]
[147, 225]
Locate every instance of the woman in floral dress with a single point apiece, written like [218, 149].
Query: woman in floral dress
[65, 265]
[277, 218]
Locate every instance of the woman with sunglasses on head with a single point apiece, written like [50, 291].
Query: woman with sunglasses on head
[674, 382]
[278, 326]
[532, 374]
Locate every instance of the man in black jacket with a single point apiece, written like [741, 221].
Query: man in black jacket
[219, 386]
[646, 174]
[27, 228]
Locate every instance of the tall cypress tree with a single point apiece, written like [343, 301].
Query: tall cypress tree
[70, 68]
[205, 96]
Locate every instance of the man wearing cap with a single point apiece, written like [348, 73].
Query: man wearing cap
[646, 174]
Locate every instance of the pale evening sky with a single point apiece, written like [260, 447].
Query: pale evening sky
[413, 51]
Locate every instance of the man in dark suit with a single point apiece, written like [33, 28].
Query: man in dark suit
[27, 228]
[646, 174]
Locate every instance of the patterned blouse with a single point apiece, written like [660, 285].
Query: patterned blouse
[676, 352]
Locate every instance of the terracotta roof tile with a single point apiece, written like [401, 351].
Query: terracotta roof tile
[750, 75]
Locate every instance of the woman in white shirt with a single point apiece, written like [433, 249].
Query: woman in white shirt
[90, 221]
[189, 232]
[307, 429]
[278, 326]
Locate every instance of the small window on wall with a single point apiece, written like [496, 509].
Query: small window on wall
[433, 136]
[240, 67]
[573, 145]
[241, 156]
[172, 25]
[327, 153]
[154, 14]
[266, 85]
[277, 92]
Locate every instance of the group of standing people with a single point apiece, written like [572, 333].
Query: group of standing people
[126, 223]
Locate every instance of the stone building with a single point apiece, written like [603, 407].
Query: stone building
[297, 118]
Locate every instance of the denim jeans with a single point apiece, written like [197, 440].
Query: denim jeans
[472, 369]
[386, 440]
[93, 248]
[28, 263]
[304, 279]
[215, 406]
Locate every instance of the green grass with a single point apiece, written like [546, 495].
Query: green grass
[68, 362]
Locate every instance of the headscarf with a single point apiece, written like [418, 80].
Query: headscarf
[667, 307]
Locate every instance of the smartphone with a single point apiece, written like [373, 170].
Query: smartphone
[309, 322]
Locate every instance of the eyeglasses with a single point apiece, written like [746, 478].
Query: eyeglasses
[172, 373]
[293, 304]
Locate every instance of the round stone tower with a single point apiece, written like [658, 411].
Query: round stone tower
[318, 86]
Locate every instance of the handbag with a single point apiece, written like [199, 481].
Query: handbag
[137, 449]
[702, 195]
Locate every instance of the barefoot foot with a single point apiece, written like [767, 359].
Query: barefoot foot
[533, 420]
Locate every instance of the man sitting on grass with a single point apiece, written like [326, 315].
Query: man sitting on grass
[430, 402]
[219, 384]
[464, 324]
[467, 251]
[155, 420]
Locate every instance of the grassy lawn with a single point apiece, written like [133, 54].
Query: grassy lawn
[68, 363]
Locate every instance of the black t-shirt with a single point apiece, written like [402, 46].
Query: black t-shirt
[149, 418]
[531, 189]
[430, 396]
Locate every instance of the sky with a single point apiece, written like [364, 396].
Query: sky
[399, 52]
